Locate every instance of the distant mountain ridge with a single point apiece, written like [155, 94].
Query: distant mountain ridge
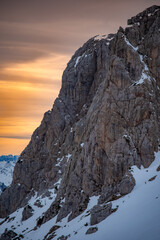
[9, 158]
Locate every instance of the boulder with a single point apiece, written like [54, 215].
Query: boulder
[100, 212]
[92, 230]
[27, 212]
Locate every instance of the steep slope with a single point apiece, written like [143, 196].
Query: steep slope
[105, 120]
[135, 216]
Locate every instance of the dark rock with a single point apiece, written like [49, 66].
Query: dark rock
[51, 212]
[127, 184]
[92, 230]
[8, 235]
[27, 212]
[158, 168]
[153, 178]
[38, 203]
[51, 234]
[100, 212]
[40, 221]
[62, 237]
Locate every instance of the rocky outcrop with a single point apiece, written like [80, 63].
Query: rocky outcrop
[144, 32]
[27, 212]
[105, 119]
[99, 213]
[92, 230]
[51, 233]
[8, 235]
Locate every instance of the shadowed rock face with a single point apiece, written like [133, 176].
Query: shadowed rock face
[105, 119]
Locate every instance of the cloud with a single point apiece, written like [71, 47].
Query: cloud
[37, 40]
[53, 10]
[16, 137]
[33, 29]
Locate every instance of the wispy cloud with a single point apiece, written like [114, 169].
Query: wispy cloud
[37, 40]
[16, 137]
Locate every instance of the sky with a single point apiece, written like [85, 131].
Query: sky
[37, 39]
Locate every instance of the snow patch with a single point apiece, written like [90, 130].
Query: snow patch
[26, 227]
[68, 156]
[58, 182]
[145, 71]
[139, 211]
[77, 61]
[59, 160]
[100, 37]
[129, 44]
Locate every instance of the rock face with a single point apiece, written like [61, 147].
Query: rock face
[105, 119]
[99, 213]
[92, 230]
[8, 235]
[27, 212]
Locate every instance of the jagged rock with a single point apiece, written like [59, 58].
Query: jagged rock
[51, 212]
[100, 212]
[107, 194]
[127, 184]
[105, 120]
[153, 178]
[8, 235]
[51, 234]
[82, 203]
[50, 237]
[92, 230]
[27, 212]
[2, 187]
[158, 169]
[38, 203]
[62, 237]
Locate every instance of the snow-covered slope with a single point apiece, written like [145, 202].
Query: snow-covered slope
[7, 164]
[137, 216]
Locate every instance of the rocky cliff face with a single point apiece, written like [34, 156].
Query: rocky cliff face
[105, 119]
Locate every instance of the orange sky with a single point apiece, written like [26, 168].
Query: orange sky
[37, 40]
[29, 91]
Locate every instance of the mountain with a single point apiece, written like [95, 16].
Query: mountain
[7, 164]
[96, 147]
[134, 216]
[9, 158]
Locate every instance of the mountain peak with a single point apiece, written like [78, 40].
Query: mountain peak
[147, 15]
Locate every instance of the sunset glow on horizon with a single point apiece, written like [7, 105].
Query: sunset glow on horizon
[28, 93]
[38, 38]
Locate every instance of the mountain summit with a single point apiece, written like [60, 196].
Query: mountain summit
[104, 121]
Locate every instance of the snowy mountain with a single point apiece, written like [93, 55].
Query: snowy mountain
[92, 168]
[7, 164]
[134, 216]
